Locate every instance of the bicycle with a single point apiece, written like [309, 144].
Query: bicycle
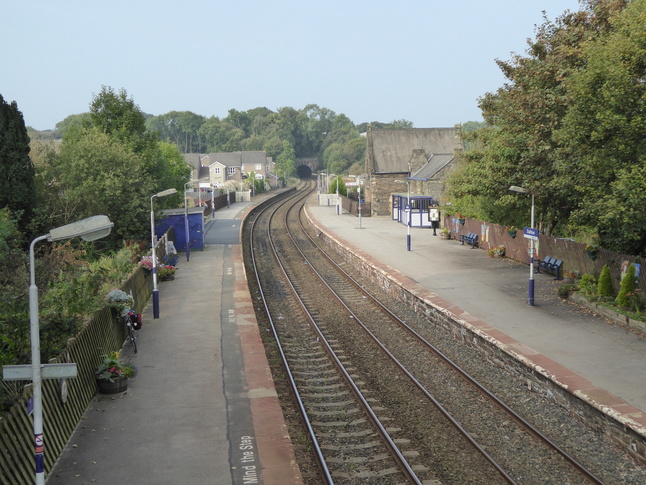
[133, 323]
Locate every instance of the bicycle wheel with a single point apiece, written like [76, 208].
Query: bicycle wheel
[131, 336]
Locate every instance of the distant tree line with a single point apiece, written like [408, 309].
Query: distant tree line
[569, 126]
[286, 134]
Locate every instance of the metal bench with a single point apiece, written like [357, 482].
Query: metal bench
[550, 265]
[471, 238]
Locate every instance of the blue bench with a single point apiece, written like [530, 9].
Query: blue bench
[471, 238]
[550, 265]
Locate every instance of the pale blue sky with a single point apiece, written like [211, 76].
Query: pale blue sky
[426, 61]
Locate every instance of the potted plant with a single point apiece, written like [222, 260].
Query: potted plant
[460, 218]
[512, 231]
[570, 276]
[120, 301]
[445, 233]
[499, 251]
[112, 375]
[147, 264]
[166, 272]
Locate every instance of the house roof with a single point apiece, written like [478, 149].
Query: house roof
[392, 149]
[237, 159]
[436, 162]
[197, 161]
[193, 159]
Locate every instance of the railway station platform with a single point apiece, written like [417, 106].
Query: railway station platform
[595, 359]
[202, 408]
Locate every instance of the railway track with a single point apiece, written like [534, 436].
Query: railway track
[381, 403]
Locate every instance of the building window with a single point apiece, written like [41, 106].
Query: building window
[216, 170]
[258, 166]
[231, 170]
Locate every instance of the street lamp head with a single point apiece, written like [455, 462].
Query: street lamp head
[516, 188]
[166, 192]
[89, 229]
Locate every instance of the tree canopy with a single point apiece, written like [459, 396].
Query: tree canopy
[110, 163]
[568, 126]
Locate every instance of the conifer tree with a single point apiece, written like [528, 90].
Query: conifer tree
[627, 287]
[17, 169]
[604, 287]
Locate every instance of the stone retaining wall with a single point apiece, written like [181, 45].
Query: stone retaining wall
[621, 428]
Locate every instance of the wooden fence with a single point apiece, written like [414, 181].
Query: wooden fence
[573, 254]
[352, 206]
[103, 333]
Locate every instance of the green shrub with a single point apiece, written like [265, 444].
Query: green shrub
[627, 292]
[604, 287]
[564, 290]
[589, 284]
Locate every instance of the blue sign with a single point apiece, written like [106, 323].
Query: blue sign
[530, 233]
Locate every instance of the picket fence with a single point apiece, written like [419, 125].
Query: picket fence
[103, 333]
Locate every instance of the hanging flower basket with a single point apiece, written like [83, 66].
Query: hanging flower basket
[592, 251]
[512, 233]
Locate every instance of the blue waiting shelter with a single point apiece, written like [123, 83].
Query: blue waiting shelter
[419, 213]
[175, 218]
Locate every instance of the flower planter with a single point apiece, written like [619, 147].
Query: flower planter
[104, 386]
[445, 236]
[462, 221]
[512, 233]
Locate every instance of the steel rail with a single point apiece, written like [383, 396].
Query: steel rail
[317, 448]
[515, 416]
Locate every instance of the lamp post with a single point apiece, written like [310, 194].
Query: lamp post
[163, 193]
[88, 229]
[212, 202]
[530, 289]
[186, 229]
[338, 212]
[359, 194]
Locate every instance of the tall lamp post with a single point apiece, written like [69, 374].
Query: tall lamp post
[186, 230]
[530, 289]
[88, 229]
[163, 193]
[338, 212]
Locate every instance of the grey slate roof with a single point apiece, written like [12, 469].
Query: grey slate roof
[237, 159]
[392, 149]
[436, 163]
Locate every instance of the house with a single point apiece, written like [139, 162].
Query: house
[216, 169]
[394, 156]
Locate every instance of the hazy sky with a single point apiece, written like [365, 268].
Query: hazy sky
[426, 61]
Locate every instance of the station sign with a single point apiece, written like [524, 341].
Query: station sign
[530, 233]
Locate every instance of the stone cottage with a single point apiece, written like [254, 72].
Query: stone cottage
[394, 155]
